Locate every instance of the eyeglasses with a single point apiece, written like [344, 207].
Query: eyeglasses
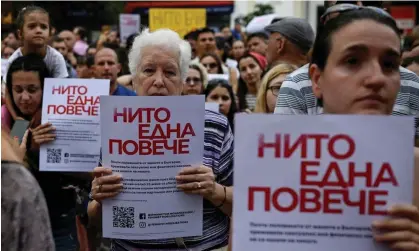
[193, 81]
[210, 66]
[275, 90]
[340, 8]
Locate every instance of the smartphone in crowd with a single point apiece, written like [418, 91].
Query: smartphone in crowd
[19, 128]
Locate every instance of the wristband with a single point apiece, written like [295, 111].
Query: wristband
[225, 198]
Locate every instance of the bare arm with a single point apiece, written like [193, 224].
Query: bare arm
[218, 199]
[94, 211]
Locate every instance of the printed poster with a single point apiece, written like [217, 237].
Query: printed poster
[318, 187]
[128, 24]
[148, 140]
[212, 106]
[72, 107]
[180, 20]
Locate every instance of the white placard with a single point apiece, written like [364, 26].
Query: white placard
[217, 76]
[300, 179]
[72, 107]
[128, 25]
[212, 106]
[157, 136]
[4, 65]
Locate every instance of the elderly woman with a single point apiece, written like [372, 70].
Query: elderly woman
[159, 63]
[196, 80]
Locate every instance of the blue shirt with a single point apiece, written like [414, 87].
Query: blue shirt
[123, 91]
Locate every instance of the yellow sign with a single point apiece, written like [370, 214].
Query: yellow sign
[180, 20]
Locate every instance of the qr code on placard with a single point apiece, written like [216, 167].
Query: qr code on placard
[123, 217]
[53, 155]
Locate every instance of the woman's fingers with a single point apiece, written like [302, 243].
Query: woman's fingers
[192, 178]
[108, 179]
[102, 196]
[41, 127]
[194, 170]
[100, 171]
[48, 135]
[404, 210]
[405, 246]
[396, 225]
[109, 188]
[195, 185]
[16, 140]
[24, 140]
[44, 140]
[395, 236]
[44, 130]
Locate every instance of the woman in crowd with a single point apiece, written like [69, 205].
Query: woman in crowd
[196, 80]
[212, 63]
[159, 62]
[221, 92]
[25, 83]
[251, 66]
[25, 223]
[355, 70]
[269, 87]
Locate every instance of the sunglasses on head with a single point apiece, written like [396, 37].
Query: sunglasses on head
[344, 7]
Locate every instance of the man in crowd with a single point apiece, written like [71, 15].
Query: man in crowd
[11, 40]
[205, 43]
[69, 40]
[191, 37]
[257, 42]
[290, 40]
[59, 44]
[107, 67]
[296, 93]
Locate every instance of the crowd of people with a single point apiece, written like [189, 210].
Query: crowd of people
[355, 64]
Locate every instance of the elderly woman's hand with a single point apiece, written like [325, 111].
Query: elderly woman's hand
[197, 180]
[401, 232]
[43, 133]
[105, 184]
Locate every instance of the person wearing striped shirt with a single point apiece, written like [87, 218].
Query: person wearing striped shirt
[159, 62]
[296, 95]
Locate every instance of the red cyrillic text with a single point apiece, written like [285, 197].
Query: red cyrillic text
[284, 147]
[71, 90]
[148, 147]
[310, 200]
[73, 110]
[82, 100]
[334, 175]
[142, 115]
[166, 131]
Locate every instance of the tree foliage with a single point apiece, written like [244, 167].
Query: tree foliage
[260, 10]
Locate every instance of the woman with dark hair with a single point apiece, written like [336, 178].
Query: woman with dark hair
[26, 96]
[219, 91]
[212, 63]
[355, 69]
[25, 83]
[251, 66]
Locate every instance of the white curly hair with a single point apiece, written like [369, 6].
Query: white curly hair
[162, 37]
